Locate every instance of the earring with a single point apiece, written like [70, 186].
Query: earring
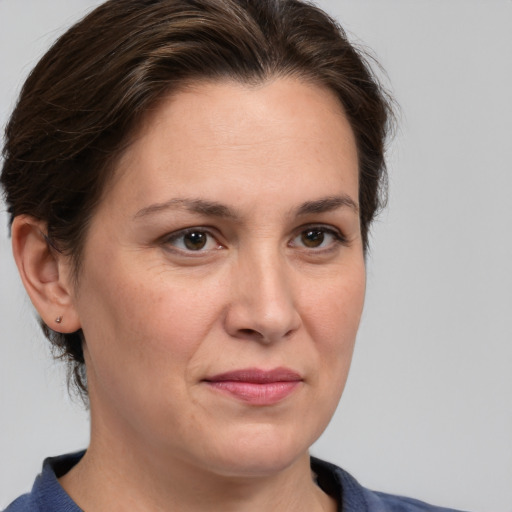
[58, 319]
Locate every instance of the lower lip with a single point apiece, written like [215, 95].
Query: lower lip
[267, 393]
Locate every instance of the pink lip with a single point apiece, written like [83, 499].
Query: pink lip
[255, 386]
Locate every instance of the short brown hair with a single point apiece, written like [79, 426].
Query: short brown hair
[88, 94]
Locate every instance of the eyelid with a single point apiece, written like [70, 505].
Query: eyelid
[167, 240]
[339, 236]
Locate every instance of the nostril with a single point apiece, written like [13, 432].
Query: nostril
[251, 333]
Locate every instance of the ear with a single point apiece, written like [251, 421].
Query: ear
[46, 274]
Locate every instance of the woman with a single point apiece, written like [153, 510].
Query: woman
[190, 196]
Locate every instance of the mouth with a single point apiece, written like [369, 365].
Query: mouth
[255, 386]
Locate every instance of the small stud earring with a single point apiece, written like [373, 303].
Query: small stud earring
[58, 319]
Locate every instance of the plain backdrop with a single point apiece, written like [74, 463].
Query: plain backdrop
[427, 411]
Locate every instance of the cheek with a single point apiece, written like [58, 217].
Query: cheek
[332, 321]
[142, 342]
[148, 321]
[335, 307]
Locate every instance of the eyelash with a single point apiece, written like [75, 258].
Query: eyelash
[338, 238]
[173, 237]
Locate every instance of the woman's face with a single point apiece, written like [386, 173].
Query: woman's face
[223, 278]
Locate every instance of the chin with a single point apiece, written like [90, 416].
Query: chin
[258, 455]
[258, 467]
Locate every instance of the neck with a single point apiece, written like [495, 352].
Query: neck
[125, 470]
[111, 477]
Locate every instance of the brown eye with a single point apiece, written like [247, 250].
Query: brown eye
[312, 238]
[195, 241]
[318, 239]
[192, 240]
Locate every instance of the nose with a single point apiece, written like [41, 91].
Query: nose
[263, 303]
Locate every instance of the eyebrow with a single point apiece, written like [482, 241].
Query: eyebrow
[327, 204]
[200, 206]
[215, 209]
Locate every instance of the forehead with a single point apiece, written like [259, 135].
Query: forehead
[219, 135]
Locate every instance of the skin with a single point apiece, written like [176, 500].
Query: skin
[278, 161]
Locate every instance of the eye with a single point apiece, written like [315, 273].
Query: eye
[317, 237]
[192, 240]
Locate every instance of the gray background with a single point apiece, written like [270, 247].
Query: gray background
[427, 410]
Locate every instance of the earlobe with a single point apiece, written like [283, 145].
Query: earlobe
[45, 273]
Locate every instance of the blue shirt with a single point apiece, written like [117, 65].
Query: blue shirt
[47, 495]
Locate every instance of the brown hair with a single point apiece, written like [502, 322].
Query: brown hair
[87, 95]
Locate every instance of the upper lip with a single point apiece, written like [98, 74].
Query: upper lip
[257, 376]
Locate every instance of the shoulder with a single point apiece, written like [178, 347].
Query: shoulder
[22, 504]
[47, 495]
[353, 496]
[388, 502]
